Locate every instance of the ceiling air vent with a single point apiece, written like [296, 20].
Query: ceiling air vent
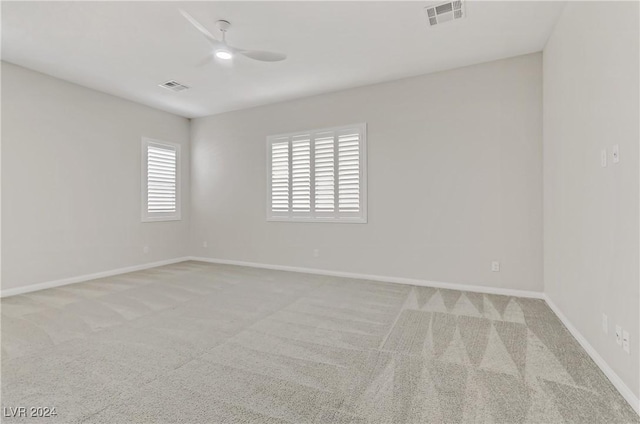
[174, 86]
[439, 13]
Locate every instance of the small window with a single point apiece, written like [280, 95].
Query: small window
[318, 176]
[160, 181]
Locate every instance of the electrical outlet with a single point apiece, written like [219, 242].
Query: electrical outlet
[145, 250]
[495, 266]
[205, 244]
[605, 324]
[615, 154]
[316, 253]
[625, 341]
[603, 158]
[618, 334]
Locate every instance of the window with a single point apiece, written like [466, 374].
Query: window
[318, 176]
[160, 181]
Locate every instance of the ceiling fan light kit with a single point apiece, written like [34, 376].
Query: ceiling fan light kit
[224, 54]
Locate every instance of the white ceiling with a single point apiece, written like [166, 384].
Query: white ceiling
[128, 48]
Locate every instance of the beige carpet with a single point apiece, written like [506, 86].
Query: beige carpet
[201, 343]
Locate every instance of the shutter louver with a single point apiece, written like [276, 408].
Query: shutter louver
[301, 173]
[280, 176]
[161, 179]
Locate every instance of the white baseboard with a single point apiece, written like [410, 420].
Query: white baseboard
[400, 280]
[86, 277]
[624, 390]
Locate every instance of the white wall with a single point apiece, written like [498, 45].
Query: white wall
[71, 163]
[591, 234]
[455, 179]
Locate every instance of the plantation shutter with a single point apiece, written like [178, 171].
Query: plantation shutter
[160, 181]
[324, 172]
[349, 171]
[301, 173]
[318, 175]
[280, 176]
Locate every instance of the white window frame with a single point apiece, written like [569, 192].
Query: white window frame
[159, 216]
[313, 216]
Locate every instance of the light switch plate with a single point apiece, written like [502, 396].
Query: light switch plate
[625, 341]
[615, 154]
[618, 334]
[603, 158]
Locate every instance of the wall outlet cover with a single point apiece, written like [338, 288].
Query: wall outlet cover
[495, 266]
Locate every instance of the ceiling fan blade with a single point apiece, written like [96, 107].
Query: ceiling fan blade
[197, 25]
[263, 56]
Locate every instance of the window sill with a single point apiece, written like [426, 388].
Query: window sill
[161, 219]
[320, 220]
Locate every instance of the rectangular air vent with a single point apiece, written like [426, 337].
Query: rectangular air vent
[439, 13]
[174, 86]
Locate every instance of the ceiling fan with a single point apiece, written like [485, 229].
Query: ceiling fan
[222, 50]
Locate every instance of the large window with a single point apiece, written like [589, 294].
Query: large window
[318, 175]
[160, 181]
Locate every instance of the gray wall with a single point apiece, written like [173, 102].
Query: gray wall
[455, 179]
[71, 177]
[591, 234]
